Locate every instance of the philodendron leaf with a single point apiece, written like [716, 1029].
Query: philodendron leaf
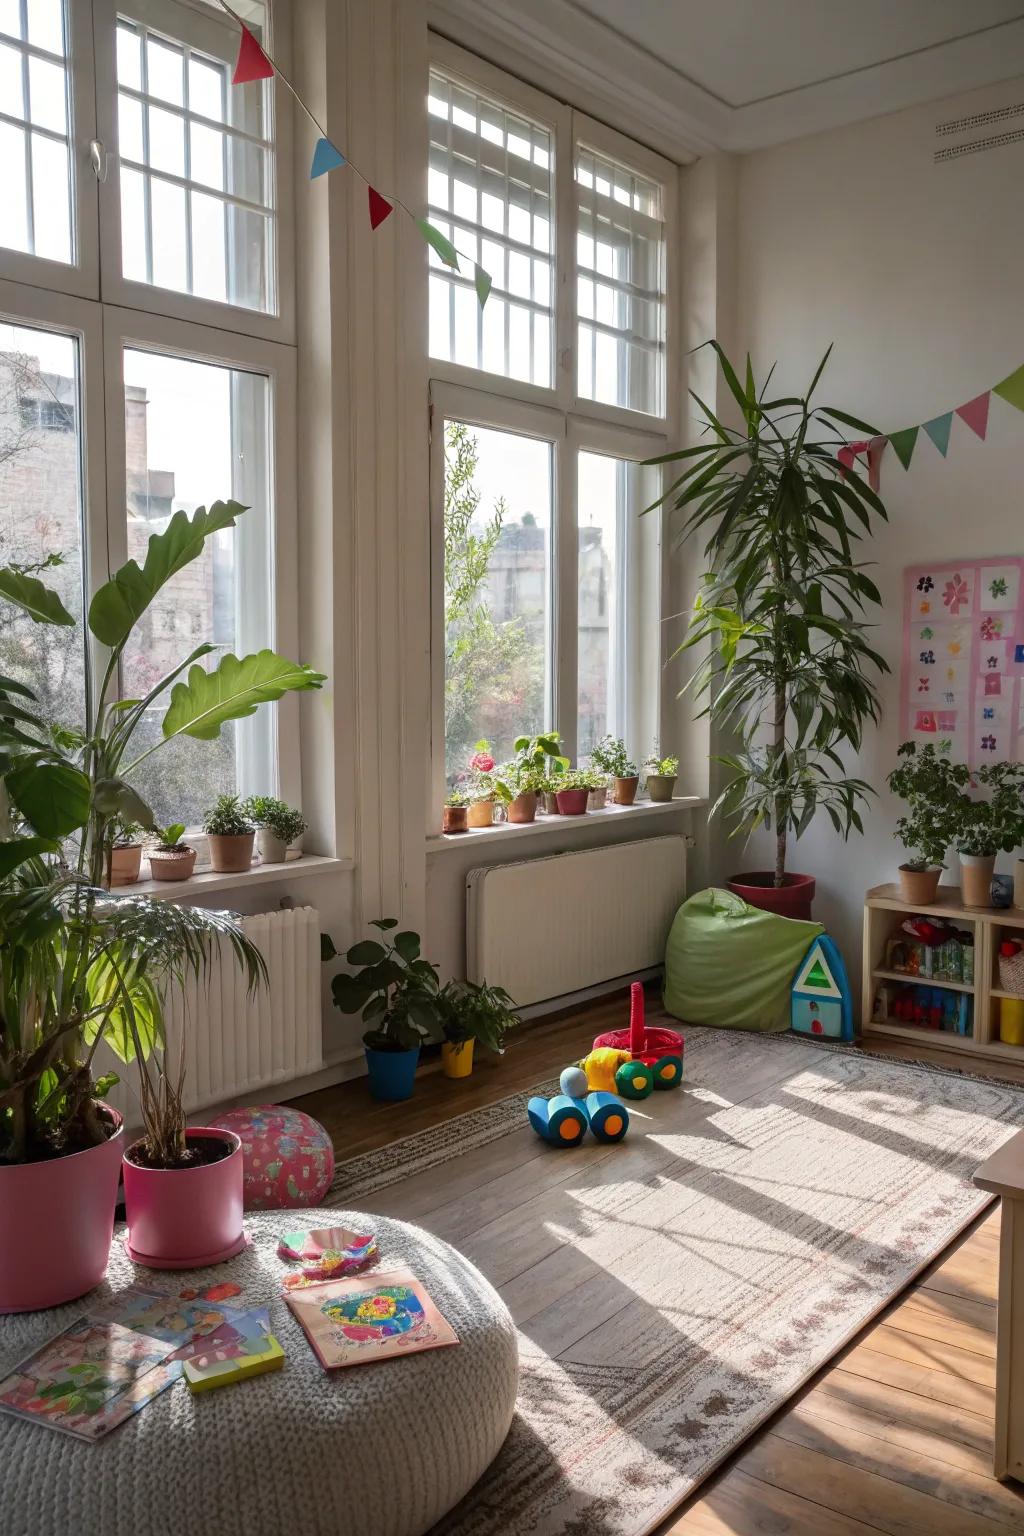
[114, 797]
[122, 600]
[208, 700]
[30, 595]
[21, 848]
[54, 798]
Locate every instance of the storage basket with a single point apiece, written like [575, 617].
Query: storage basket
[1011, 974]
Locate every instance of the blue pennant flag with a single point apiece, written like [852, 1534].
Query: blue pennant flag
[325, 158]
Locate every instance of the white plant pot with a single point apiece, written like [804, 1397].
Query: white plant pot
[1018, 883]
[976, 871]
[273, 849]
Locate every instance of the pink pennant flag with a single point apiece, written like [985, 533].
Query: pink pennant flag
[975, 413]
[252, 63]
[876, 448]
[848, 454]
[379, 207]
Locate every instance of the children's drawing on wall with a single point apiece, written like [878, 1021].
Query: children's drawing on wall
[963, 658]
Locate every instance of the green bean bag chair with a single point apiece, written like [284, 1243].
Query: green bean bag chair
[732, 965]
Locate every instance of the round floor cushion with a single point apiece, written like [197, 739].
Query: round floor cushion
[372, 1450]
[287, 1155]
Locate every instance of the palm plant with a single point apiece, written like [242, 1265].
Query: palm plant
[79, 965]
[789, 668]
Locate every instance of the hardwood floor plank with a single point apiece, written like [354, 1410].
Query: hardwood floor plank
[959, 1435]
[737, 1504]
[864, 1359]
[933, 1354]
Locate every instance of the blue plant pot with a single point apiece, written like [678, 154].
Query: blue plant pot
[392, 1073]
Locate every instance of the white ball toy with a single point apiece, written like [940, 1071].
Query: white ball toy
[573, 1081]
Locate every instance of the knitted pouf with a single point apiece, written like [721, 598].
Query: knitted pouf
[371, 1450]
[287, 1155]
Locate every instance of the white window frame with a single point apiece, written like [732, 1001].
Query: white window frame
[556, 415]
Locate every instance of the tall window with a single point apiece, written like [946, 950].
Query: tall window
[113, 419]
[544, 402]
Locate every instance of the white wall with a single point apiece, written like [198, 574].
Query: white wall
[914, 271]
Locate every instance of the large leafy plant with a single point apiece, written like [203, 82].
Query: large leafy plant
[933, 789]
[394, 988]
[79, 965]
[789, 671]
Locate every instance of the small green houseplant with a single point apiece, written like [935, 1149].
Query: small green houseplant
[988, 827]
[231, 835]
[472, 1011]
[574, 788]
[480, 786]
[170, 857]
[932, 788]
[516, 786]
[455, 812]
[125, 864]
[661, 776]
[609, 756]
[277, 825]
[396, 992]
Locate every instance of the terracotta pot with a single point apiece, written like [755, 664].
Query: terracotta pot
[185, 1218]
[660, 786]
[598, 798]
[481, 813]
[976, 871]
[919, 887]
[273, 849]
[454, 818]
[457, 1058]
[550, 803]
[758, 889]
[523, 808]
[125, 864]
[231, 855]
[572, 802]
[56, 1222]
[171, 866]
[624, 790]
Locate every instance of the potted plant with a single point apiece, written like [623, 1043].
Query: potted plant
[661, 777]
[932, 788]
[231, 835]
[547, 791]
[481, 786]
[277, 826]
[609, 757]
[573, 793]
[125, 854]
[789, 670]
[171, 858]
[78, 964]
[472, 1011]
[396, 991]
[516, 786]
[455, 812]
[988, 827]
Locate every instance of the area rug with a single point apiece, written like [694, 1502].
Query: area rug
[671, 1292]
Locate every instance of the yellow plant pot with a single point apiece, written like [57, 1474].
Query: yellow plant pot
[481, 813]
[457, 1060]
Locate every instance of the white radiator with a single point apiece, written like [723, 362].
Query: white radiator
[542, 928]
[236, 1043]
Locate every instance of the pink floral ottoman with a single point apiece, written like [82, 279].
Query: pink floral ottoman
[287, 1156]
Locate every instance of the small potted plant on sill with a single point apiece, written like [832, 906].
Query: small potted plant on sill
[573, 794]
[986, 828]
[609, 757]
[231, 836]
[547, 793]
[661, 777]
[481, 786]
[125, 860]
[455, 812]
[396, 991]
[516, 786]
[932, 787]
[472, 1011]
[277, 826]
[171, 858]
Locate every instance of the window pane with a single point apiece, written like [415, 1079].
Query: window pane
[175, 233]
[490, 190]
[497, 523]
[620, 255]
[35, 167]
[196, 433]
[41, 511]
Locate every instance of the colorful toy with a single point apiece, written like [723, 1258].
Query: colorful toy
[821, 1002]
[563, 1121]
[601, 1066]
[660, 1050]
[573, 1081]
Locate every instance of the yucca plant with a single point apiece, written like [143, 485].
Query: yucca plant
[789, 670]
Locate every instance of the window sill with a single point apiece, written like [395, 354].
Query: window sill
[206, 881]
[559, 826]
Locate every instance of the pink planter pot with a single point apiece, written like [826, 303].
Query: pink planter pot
[56, 1222]
[572, 802]
[185, 1218]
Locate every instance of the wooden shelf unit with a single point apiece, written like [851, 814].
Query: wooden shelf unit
[884, 910]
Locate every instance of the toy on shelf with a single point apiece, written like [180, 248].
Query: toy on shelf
[821, 1002]
[564, 1120]
[925, 1007]
[931, 948]
[658, 1050]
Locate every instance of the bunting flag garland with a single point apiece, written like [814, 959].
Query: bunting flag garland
[938, 430]
[903, 444]
[254, 63]
[876, 448]
[1012, 388]
[975, 413]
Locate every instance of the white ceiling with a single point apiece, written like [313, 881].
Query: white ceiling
[691, 76]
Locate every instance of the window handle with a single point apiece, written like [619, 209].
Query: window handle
[98, 158]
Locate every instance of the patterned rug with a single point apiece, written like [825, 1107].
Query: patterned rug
[673, 1291]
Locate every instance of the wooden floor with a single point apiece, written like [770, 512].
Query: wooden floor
[895, 1436]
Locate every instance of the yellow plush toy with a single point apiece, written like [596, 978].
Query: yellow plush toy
[601, 1066]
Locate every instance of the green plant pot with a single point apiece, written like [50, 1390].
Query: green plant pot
[660, 786]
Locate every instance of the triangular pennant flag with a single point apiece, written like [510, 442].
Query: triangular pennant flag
[1012, 388]
[847, 456]
[326, 157]
[440, 243]
[975, 413]
[482, 280]
[903, 444]
[938, 431]
[252, 63]
[379, 207]
[876, 448]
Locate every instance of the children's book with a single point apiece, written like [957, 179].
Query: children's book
[245, 1348]
[364, 1319]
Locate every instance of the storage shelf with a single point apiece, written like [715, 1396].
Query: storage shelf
[924, 981]
[941, 1038]
[1015, 996]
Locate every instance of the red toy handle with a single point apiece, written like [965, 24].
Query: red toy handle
[637, 1029]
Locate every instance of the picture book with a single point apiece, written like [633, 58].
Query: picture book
[245, 1348]
[369, 1318]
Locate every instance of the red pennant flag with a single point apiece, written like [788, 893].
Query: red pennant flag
[379, 207]
[975, 413]
[252, 63]
[848, 455]
[876, 447]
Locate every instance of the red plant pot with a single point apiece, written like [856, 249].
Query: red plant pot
[792, 899]
[572, 802]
